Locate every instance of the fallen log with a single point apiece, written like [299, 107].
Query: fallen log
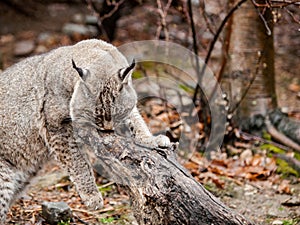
[161, 190]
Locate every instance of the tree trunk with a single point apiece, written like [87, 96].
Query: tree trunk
[251, 60]
[161, 190]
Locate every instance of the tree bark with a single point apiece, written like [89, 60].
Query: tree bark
[161, 190]
[251, 60]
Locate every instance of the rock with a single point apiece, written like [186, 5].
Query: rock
[41, 49]
[72, 28]
[85, 19]
[23, 48]
[55, 212]
[44, 37]
[246, 155]
[91, 20]
[49, 40]
[78, 18]
[276, 211]
[292, 201]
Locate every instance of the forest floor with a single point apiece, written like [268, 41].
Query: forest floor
[253, 189]
[247, 179]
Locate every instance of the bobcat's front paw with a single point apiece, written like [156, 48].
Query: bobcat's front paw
[94, 201]
[162, 141]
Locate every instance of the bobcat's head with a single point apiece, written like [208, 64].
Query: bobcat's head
[105, 103]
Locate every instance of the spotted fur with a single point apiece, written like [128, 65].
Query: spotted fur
[42, 97]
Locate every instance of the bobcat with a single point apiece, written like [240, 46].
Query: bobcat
[42, 96]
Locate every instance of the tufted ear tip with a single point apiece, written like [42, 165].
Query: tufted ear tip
[132, 65]
[124, 74]
[74, 65]
[83, 73]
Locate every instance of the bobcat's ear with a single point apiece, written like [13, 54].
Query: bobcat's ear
[125, 73]
[83, 73]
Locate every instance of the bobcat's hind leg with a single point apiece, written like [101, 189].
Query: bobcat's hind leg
[75, 161]
[11, 183]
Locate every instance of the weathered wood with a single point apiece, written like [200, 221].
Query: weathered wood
[161, 190]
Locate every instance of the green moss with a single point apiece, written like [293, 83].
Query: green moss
[148, 64]
[107, 220]
[272, 149]
[186, 88]
[297, 156]
[290, 222]
[267, 136]
[137, 74]
[104, 190]
[210, 187]
[284, 169]
[64, 222]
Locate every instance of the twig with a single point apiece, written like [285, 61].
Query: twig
[231, 111]
[225, 50]
[163, 24]
[264, 5]
[91, 6]
[261, 16]
[212, 45]
[195, 48]
[202, 10]
[247, 136]
[116, 5]
[110, 208]
[80, 220]
[276, 3]
[199, 74]
[106, 185]
[292, 15]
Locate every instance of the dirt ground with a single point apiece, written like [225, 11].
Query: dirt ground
[260, 201]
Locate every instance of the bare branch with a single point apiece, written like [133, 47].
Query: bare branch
[195, 48]
[163, 12]
[212, 45]
[292, 15]
[116, 5]
[262, 16]
[281, 137]
[276, 3]
[91, 6]
[203, 12]
[251, 137]
[260, 54]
